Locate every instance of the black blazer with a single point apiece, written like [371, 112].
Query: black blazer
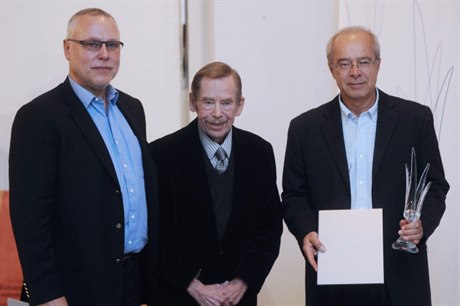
[66, 205]
[188, 234]
[316, 178]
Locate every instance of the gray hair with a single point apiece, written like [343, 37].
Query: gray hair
[349, 30]
[88, 11]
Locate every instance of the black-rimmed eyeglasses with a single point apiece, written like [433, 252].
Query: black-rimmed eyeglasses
[95, 45]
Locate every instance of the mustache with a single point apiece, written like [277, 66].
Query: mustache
[216, 122]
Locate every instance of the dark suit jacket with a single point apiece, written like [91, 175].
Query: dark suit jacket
[66, 205]
[316, 178]
[188, 234]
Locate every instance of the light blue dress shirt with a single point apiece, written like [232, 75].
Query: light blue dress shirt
[359, 137]
[125, 152]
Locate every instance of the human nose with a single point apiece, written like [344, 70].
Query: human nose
[103, 51]
[217, 112]
[354, 69]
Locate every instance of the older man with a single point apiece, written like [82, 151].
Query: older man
[220, 215]
[349, 154]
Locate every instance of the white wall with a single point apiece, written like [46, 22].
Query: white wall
[279, 49]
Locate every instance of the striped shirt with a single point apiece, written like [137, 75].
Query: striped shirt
[210, 146]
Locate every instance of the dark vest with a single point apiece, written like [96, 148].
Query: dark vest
[221, 188]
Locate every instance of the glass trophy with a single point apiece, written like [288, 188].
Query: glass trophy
[415, 194]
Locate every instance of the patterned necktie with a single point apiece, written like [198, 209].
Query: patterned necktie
[221, 156]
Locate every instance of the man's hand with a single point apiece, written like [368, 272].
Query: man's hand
[411, 231]
[233, 291]
[57, 302]
[311, 246]
[206, 295]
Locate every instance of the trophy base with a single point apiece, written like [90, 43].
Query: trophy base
[406, 246]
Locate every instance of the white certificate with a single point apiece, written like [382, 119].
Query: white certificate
[353, 239]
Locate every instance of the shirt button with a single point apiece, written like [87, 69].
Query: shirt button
[129, 242]
[118, 226]
[131, 190]
[125, 166]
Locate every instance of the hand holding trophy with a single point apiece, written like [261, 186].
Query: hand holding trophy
[415, 194]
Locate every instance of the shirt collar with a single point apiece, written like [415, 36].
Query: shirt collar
[371, 111]
[86, 97]
[211, 146]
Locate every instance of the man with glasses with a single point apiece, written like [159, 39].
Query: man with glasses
[220, 214]
[83, 189]
[350, 154]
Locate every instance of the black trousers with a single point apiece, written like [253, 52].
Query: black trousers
[349, 295]
[131, 295]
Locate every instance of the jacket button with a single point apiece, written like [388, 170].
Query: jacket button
[221, 252]
[118, 226]
[117, 191]
[118, 260]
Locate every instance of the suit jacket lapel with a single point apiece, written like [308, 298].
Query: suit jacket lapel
[241, 181]
[140, 134]
[196, 178]
[386, 123]
[89, 130]
[333, 135]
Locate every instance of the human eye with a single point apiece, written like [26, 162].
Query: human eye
[112, 45]
[207, 104]
[365, 62]
[227, 104]
[344, 64]
[92, 44]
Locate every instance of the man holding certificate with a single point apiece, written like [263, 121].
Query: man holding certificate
[350, 153]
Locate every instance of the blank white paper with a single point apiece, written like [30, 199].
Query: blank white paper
[353, 239]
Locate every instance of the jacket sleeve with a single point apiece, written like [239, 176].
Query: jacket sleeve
[175, 263]
[434, 204]
[264, 243]
[32, 172]
[299, 214]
